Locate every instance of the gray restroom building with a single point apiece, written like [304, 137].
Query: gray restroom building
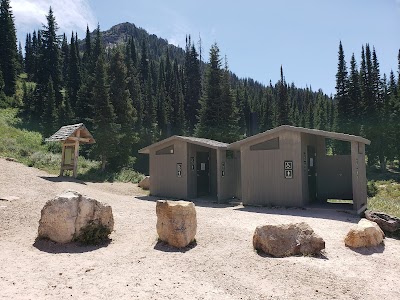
[284, 166]
[190, 167]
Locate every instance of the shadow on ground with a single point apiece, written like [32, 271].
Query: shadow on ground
[165, 247]
[370, 250]
[49, 246]
[329, 211]
[62, 179]
[321, 255]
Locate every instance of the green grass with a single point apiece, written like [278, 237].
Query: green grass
[28, 148]
[387, 198]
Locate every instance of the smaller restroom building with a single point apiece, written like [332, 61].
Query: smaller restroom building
[284, 166]
[189, 167]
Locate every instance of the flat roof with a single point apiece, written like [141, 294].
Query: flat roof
[328, 134]
[193, 140]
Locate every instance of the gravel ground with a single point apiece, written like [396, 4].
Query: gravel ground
[223, 264]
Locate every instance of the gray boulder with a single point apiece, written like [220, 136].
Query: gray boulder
[65, 218]
[287, 240]
[386, 222]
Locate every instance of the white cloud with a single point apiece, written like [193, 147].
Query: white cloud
[71, 15]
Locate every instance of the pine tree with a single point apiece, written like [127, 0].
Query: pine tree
[65, 58]
[105, 128]
[74, 74]
[87, 54]
[8, 48]
[217, 113]
[50, 62]
[342, 93]
[125, 113]
[283, 105]
[192, 84]
[20, 59]
[354, 98]
[49, 116]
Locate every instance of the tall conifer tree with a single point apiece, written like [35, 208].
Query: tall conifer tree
[8, 48]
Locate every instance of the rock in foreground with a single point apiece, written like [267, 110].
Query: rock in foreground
[364, 234]
[386, 222]
[70, 215]
[287, 240]
[176, 222]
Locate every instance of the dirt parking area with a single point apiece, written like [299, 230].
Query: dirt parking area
[223, 264]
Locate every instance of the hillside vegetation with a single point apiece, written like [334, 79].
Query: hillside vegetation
[27, 147]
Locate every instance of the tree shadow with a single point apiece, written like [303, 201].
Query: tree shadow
[62, 179]
[165, 247]
[321, 255]
[369, 250]
[46, 245]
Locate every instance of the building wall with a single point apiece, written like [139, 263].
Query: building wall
[227, 184]
[359, 176]
[263, 181]
[163, 171]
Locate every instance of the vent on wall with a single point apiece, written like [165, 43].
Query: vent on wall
[267, 145]
[166, 150]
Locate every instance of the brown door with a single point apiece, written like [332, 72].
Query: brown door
[312, 174]
[203, 173]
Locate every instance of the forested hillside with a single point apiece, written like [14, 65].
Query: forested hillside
[131, 88]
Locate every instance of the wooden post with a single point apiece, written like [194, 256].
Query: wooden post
[62, 160]
[76, 153]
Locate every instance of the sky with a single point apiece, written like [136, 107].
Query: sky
[257, 36]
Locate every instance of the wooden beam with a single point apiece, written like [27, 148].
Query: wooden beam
[79, 139]
[62, 160]
[76, 153]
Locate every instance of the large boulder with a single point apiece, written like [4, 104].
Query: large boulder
[287, 239]
[176, 222]
[145, 183]
[68, 216]
[386, 222]
[364, 234]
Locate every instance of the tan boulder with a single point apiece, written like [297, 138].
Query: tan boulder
[145, 183]
[364, 234]
[64, 217]
[287, 240]
[176, 222]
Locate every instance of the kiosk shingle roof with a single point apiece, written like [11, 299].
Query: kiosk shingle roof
[69, 131]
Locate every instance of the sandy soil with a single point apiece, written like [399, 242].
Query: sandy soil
[223, 264]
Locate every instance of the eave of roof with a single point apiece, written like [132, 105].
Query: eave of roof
[328, 134]
[193, 140]
[68, 131]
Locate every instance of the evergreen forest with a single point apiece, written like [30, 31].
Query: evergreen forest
[131, 89]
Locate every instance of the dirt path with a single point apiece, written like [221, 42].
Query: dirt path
[223, 265]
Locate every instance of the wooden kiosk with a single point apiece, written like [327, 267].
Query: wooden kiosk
[71, 136]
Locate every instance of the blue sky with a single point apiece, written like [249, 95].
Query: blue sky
[257, 36]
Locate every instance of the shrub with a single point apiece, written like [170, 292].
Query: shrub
[372, 188]
[93, 234]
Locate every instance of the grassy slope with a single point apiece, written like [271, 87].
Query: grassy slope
[27, 147]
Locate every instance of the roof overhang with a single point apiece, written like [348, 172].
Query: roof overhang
[197, 141]
[68, 133]
[328, 134]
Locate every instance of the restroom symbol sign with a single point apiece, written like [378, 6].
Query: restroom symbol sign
[288, 174]
[288, 169]
[288, 165]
